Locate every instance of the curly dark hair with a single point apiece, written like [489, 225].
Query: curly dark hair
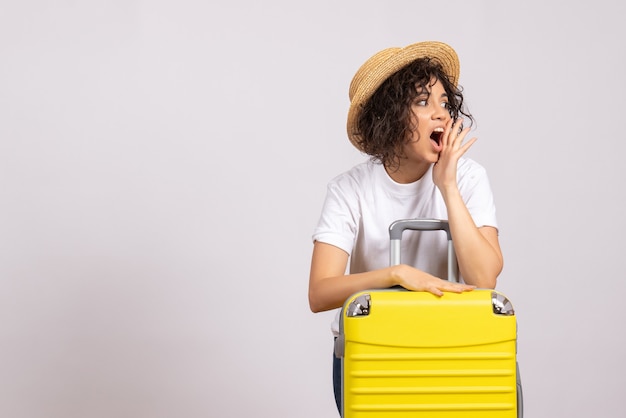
[384, 125]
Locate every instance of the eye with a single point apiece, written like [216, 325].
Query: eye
[445, 105]
[421, 99]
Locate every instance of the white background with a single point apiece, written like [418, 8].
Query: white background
[163, 165]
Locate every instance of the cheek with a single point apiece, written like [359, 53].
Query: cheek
[415, 144]
[420, 130]
[419, 122]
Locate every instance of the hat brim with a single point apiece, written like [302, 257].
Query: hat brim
[387, 62]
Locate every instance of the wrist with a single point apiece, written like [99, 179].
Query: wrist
[450, 192]
[396, 275]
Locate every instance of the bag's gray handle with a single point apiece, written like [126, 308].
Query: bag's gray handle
[398, 227]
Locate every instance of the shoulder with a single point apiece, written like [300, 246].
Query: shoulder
[467, 165]
[469, 169]
[360, 175]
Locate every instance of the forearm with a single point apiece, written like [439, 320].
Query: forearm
[480, 261]
[331, 292]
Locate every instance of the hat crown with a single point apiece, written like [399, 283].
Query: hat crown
[367, 70]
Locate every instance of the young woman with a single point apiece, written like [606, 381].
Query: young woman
[406, 112]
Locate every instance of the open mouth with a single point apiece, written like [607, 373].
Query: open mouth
[436, 136]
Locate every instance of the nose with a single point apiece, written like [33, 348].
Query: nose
[441, 113]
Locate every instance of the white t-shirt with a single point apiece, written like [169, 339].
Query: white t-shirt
[362, 202]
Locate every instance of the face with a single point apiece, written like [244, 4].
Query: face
[430, 116]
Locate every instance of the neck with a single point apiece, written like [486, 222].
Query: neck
[407, 172]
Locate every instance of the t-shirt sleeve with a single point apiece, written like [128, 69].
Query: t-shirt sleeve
[338, 223]
[475, 187]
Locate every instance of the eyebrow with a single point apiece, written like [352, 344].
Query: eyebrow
[424, 91]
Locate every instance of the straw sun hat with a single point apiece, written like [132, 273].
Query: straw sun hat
[385, 63]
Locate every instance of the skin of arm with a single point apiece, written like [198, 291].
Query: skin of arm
[329, 286]
[477, 249]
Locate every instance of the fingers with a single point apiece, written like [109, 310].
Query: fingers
[456, 132]
[423, 282]
[460, 288]
[452, 288]
[436, 291]
[467, 145]
[453, 131]
[454, 136]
